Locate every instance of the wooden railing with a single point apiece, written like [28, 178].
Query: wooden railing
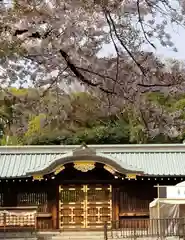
[44, 211]
[24, 218]
[16, 220]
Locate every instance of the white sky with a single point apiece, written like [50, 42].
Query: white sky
[178, 38]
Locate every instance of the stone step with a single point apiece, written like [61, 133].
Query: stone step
[73, 235]
[69, 238]
[77, 237]
[73, 238]
[82, 235]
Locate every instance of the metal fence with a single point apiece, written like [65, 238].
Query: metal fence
[145, 229]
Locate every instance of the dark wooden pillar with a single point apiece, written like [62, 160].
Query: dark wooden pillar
[10, 195]
[115, 203]
[55, 213]
[54, 216]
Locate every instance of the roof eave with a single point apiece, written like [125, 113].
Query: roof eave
[99, 148]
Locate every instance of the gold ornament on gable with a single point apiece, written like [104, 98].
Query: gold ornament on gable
[131, 175]
[59, 169]
[37, 177]
[109, 169]
[84, 166]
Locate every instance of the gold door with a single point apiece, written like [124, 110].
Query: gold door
[99, 205]
[72, 206]
[85, 206]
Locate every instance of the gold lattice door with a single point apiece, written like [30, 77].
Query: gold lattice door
[85, 206]
[99, 205]
[72, 206]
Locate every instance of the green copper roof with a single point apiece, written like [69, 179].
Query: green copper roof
[150, 159]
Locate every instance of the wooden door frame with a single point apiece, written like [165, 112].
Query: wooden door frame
[98, 205]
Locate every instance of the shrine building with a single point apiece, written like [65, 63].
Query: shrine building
[82, 187]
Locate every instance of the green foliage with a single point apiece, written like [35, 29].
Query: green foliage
[10, 140]
[161, 99]
[50, 138]
[36, 125]
[82, 118]
[110, 133]
[180, 104]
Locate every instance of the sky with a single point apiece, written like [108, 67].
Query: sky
[178, 38]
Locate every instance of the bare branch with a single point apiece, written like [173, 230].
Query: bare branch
[80, 76]
[141, 24]
[54, 81]
[122, 43]
[116, 49]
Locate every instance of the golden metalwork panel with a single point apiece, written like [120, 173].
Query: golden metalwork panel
[65, 219]
[65, 212]
[68, 196]
[92, 211]
[98, 195]
[105, 211]
[92, 219]
[85, 206]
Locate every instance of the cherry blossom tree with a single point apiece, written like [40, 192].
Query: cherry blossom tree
[51, 42]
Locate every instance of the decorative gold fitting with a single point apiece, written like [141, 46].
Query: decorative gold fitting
[84, 166]
[131, 176]
[37, 177]
[59, 169]
[109, 169]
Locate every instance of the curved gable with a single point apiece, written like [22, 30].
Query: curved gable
[152, 160]
[86, 154]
